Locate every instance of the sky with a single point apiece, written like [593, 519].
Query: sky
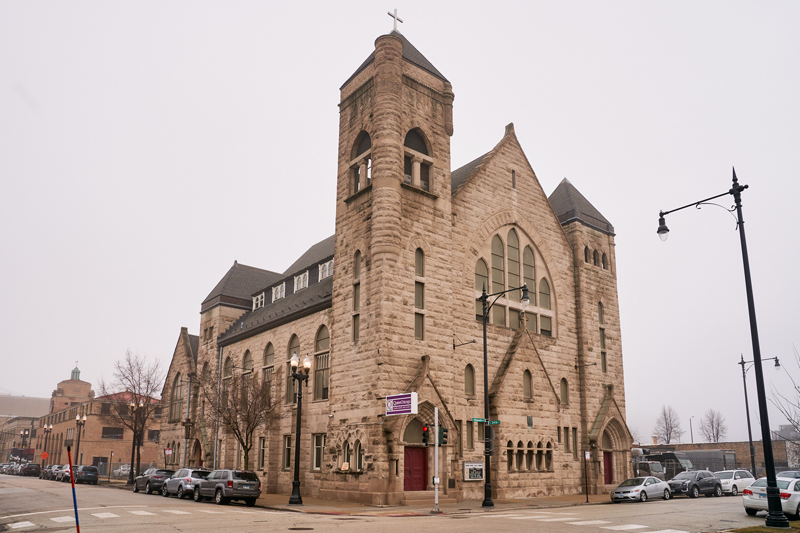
[145, 146]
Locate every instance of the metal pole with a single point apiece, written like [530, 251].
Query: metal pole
[691, 433]
[775, 518]
[295, 498]
[487, 460]
[586, 475]
[436, 462]
[747, 410]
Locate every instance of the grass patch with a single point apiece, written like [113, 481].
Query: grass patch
[793, 525]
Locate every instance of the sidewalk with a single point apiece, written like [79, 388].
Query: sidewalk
[317, 506]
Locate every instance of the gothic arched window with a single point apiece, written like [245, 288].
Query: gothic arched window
[529, 273]
[513, 265]
[605, 262]
[176, 399]
[361, 170]
[585, 254]
[527, 385]
[322, 346]
[564, 392]
[416, 161]
[469, 380]
[247, 363]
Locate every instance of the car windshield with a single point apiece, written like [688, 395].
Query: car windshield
[685, 475]
[200, 474]
[633, 482]
[245, 476]
[724, 475]
[782, 483]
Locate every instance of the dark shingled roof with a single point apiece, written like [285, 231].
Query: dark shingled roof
[410, 54]
[569, 204]
[238, 285]
[194, 343]
[313, 255]
[459, 175]
[310, 300]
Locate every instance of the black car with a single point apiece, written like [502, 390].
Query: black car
[151, 480]
[696, 482]
[86, 474]
[31, 469]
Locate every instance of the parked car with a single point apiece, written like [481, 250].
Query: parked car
[734, 481]
[226, 485]
[86, 474]
[695, 483]
[63, 474]
[641, 489]
[151, 480]
[788, 473]
[754, 498]
[122, 471]
[54, 472]
[31, 469]
[182, 482]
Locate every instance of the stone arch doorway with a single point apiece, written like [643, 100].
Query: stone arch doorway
[615, 447]
[415, 458]
[196, 457]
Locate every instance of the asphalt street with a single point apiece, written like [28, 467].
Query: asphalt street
[31, 504]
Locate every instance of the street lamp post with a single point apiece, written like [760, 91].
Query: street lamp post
[47, 430]
[775, 518]
[300, 377]
[24, 436]
[136, 415]
[79, 423]
[488, 433]
[747, 407]
[691, 433]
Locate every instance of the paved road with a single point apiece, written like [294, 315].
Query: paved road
[30, 504]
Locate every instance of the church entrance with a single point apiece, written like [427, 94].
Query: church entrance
[415, 469]
[608, 467]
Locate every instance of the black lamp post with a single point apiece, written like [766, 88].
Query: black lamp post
[79, 423]
[301, 377]
[488, 433]
[47, 430]
[747, 407]
[24, 436]
[775, 518]
[132, 472]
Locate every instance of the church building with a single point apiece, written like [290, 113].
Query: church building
[391, 303]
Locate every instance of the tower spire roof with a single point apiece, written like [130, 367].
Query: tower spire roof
[569, 204]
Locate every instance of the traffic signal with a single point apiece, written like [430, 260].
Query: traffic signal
[442, 435]
[425, 435]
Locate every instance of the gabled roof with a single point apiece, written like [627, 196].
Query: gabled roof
[194, 343]
[313, 255]
[460, 175]
[569, 204]
[410, 54]
[238, 285]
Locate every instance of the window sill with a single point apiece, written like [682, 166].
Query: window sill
[355, 195]
[423, 192]
[345, 472]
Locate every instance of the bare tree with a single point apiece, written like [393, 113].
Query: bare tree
[636, 434]
[240, 403]
[668, 425]
[789, 404]
[713, 426]
[133, 399]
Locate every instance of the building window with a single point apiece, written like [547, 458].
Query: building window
[258, 301]
[481, 433]
[470, 436]
[319, 451]
[600, 313]
[514, 320]
[564, 392]
[419, 294]
[356, 326]
[546, 326]
[527, 385]
[469, 380]
[278, 292]
[605, 263]
[358, 452]
[513, 265]
[574, 443]
[530, 322]
[498, 315]
[419, 262]
[416, 162]
[294, 347]
[321, 363]
[498, 266]
[361, 166]
[356, 294]
[481, 276]
[287, 452]
[105, 409]
[176, 399]
[604, 362]
[268, 370]
[262, 452]
[301, 281]
[419, 326]
[110, 433]
[346, 454]
[247, 363]
[544, 294]
[153, 435]
[326, 270]
[459, 442]
[594, 258]
[529, 273]
[585, 254]
[513, 179]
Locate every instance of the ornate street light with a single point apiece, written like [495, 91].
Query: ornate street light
[488, 433]
[775, 518]
[47, 430]
[747, 407]
[301, 377]
[79, 423]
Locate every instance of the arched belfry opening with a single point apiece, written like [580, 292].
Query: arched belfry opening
[417, 163]
[361, 163]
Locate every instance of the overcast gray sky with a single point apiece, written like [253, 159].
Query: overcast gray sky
[145, 146]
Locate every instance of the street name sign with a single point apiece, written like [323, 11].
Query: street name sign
[493, 423]
[401, 404]
[479, 420]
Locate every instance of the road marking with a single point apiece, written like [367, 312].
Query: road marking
[559, 519]
[210, 512]
[70, 510]
[532, 517]
[105, 515]
[63, 519]
[142, 513]
[19, 525]
[669, 531]
[174, 512]
[626, 527]
[590, 523]
[492, 515]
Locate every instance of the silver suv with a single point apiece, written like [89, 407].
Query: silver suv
[225, 485]
[182, 482]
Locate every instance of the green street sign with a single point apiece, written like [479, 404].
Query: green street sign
[493, 423]
[479, 420]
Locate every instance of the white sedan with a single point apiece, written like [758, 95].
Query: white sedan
[640, 489]
[754, 497]
[735, 481]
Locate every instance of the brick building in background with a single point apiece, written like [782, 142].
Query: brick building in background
[414, 244]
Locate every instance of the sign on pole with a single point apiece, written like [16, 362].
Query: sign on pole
[401, 404]
[479, 420]
[587, 455]
[167, 451]
[44, 456]
[493, 422]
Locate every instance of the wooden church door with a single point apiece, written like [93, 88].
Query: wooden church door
[608, 467]
[415, 469]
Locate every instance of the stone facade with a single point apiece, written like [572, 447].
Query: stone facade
[402, 312]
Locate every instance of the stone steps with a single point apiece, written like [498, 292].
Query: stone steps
[425, 497]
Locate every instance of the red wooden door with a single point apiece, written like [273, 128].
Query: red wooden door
[415, 469]
[608, 468]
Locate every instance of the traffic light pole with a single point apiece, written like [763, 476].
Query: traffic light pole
[436, 462]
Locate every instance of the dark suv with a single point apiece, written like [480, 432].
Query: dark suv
[31, 469]
[86, 474]
[226, 485]
[696, 482]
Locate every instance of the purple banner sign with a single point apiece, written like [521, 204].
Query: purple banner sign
[401, 404]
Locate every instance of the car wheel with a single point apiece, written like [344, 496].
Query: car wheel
[751, 512]
[219, 498]
[616, 501]
[694, 492]
[135, 487]
[147, 488]
[250, 502]
[643, 497]
[734, 491]
[181, 493]
[667, 494]
[717, 491]
[196, 495]
[164, 491]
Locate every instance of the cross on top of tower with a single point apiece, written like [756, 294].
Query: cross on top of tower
[395, 17]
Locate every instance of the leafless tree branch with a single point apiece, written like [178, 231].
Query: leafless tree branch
[668, 425]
